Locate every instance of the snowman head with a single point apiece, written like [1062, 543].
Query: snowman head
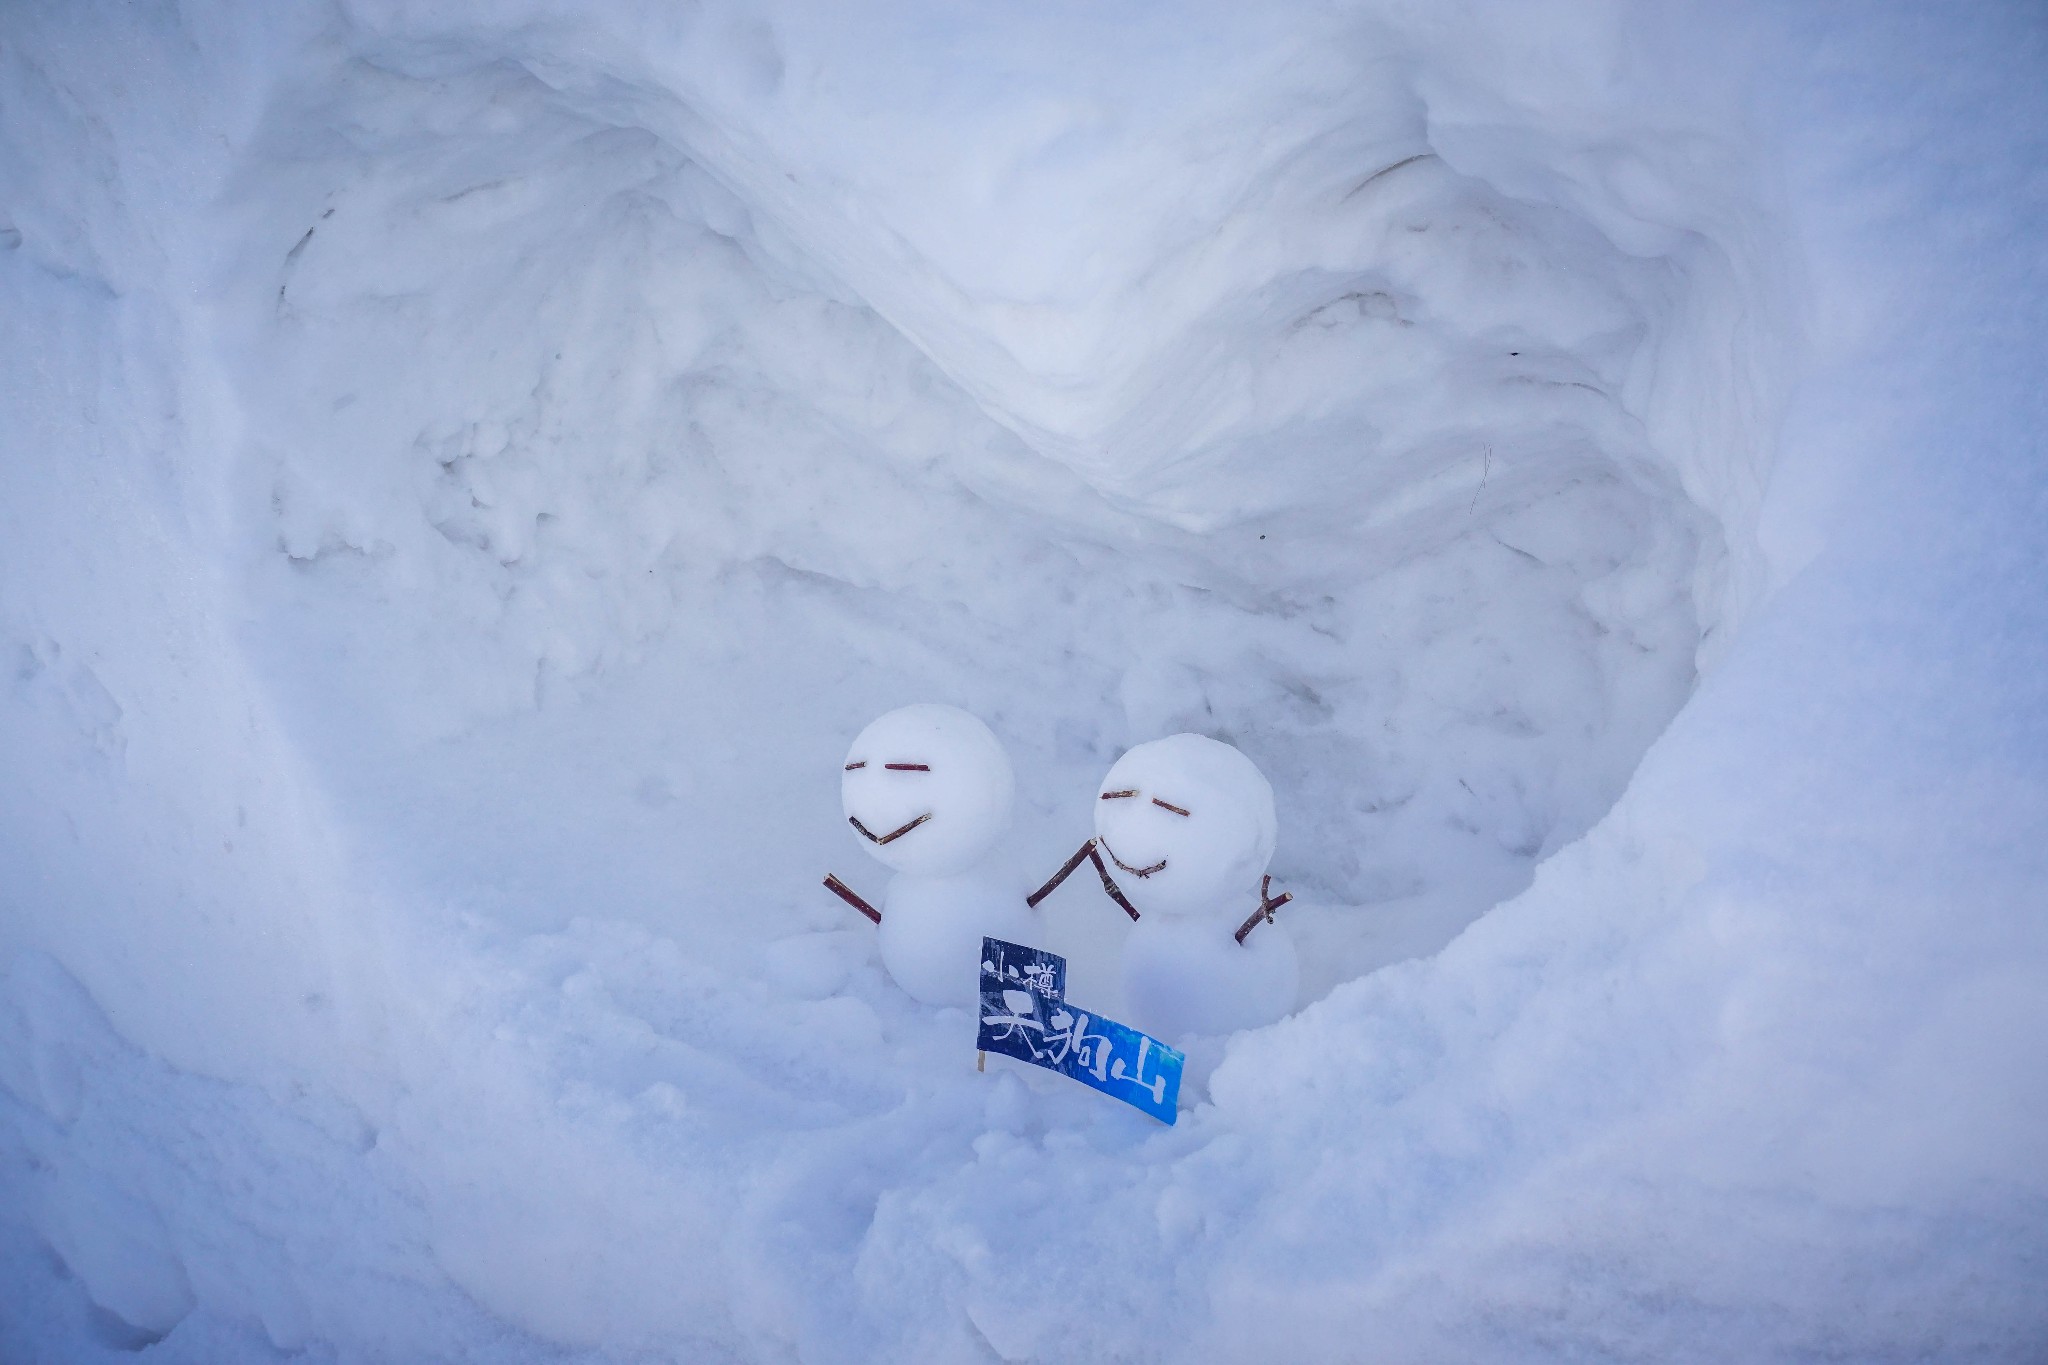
[1188, 824]
[928, 789]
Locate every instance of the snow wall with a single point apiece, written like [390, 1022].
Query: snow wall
[467, 472]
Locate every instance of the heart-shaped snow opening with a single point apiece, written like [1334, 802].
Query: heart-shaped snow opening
[622, 444]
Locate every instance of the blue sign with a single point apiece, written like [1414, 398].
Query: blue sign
[1024, 1014]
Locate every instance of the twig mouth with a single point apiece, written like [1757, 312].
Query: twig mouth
[892, 836]
[1159, 866]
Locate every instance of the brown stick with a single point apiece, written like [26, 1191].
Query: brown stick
[893, 835]
[1116, 893]
[1267, 905]
[851, 897]
[1139, 872]
[1042, 892]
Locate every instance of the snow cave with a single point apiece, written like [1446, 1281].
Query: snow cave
[474, 467]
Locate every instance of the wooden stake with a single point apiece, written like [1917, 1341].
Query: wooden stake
[981, 1061]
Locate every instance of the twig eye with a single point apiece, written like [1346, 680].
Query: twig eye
[851, 766]
[1117, 796]
[908, 767]
[1168, 805]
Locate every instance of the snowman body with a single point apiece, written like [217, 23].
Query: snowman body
[1187, 822]
[1185, 977]
[928, 789]
[932, 928]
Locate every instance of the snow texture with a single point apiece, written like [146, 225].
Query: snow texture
[466, 468]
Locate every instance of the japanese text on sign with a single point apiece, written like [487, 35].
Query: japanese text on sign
[1024, 1014]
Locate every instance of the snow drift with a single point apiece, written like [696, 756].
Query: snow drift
[472, 468]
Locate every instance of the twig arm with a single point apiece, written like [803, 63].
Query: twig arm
[1042, 892]
[1267, 905]
[851, 897]
[1089, 852]
[1116, 893]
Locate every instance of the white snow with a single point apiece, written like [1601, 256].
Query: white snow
[466, 468]
[929, 788]
[1191, 977]
[1188, 821]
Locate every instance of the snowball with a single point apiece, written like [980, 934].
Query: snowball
[932, 788]
[1185, 977]
[1189, 826]
[932, 929]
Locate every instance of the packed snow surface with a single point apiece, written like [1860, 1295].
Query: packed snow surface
[467, 472]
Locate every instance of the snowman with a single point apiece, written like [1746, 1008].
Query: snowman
[928, 789]
[1187, 825]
